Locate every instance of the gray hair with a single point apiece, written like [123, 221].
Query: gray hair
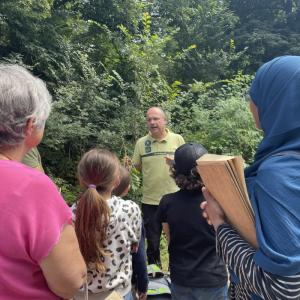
[22, 97]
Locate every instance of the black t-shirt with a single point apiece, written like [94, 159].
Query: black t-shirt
[192, 248]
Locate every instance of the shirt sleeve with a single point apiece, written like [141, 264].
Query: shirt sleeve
[181, 140]
[249, 278]
[161, 215]
[48, 215]
[135, 221]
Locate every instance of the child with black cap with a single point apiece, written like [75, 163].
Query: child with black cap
[195, 269]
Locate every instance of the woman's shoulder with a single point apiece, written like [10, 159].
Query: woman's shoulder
[288, 159]
[280, 167]
[25, 176]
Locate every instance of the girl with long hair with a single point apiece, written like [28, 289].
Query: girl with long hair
[106, 226]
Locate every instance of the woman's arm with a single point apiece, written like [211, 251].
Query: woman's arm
[64, 268]
[238, 255]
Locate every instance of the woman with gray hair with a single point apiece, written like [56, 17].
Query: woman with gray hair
[39, 252]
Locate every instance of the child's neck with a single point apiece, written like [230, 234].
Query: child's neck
[106, 196]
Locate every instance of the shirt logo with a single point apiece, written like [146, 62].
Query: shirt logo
[147, 146]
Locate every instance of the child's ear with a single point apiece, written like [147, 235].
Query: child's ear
[117, 182]
[126, 191]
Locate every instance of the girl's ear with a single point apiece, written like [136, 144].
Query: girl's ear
[117, 181]
[126, 191]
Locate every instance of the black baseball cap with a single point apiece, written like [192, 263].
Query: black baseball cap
[185, 157]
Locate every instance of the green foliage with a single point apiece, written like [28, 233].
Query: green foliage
[135, 192]
[267, 29]
[208, 25]
[164, 253]
[143, 52]
[222, 134]
[216, 115]
[68, 191]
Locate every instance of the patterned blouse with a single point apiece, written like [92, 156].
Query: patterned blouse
[124, 229]
[248, 280]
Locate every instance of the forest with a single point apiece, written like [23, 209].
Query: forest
[106, 61]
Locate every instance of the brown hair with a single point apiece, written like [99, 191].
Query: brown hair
[97, 171]
[125, 180]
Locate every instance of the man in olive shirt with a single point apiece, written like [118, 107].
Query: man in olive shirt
[150, 158]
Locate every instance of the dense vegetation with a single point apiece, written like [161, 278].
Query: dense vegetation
[106, 61]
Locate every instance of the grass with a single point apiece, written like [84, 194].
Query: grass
[164, 253]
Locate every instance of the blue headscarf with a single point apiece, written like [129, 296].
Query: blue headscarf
[273, 180]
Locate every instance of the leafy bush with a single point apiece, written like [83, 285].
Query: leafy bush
[217, 116]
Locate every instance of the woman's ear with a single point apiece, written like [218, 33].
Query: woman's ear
[32, 135]
[254, 111]
[29, 129]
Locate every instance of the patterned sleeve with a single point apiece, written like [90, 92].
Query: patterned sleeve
[181, 140]
[135, 222]
[249, 279]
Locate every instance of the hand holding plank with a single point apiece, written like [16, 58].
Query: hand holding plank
[212, 211]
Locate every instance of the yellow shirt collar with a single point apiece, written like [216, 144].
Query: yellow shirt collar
[165, 139]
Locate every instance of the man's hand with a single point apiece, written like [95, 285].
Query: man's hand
[127, 162]
[169, 160]
[134, 248]
[212, 211]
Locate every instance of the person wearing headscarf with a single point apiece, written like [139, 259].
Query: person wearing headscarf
[273, 181]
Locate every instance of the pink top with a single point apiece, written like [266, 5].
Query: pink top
[32, 215]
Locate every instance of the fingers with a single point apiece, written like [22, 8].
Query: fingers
[212, 211]
[169, 160]
[142, 296]
[207, 195]
[205, 215]
[203, 205]
[127, 162]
